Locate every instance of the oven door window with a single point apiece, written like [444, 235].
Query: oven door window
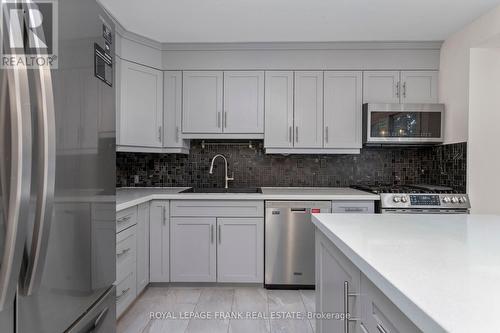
[405, 124]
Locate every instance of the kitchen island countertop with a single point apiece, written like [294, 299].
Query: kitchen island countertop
[441, 271]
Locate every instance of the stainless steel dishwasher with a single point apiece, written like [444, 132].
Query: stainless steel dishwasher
[289, 243]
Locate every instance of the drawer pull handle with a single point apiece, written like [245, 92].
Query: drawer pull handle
[124, 292]
[212, 234]
[354, 209]
[220, 234]
[123, 219]
[123, 252]
[381, 329]
[347, 317]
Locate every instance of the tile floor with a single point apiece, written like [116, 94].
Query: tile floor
[172, 301]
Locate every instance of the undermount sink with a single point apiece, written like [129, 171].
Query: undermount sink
[223, 190]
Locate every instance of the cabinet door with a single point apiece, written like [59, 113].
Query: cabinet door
[381, 87]
[172, 109]
[202, 102]
[142, 262]
[193, 256]
[240, 250]
[380, 314]
[342, 109]
[141, 105]
[279, 110]
[333, 271]
[159, 249]
[419, 87]
[243, 102]
[308, 113]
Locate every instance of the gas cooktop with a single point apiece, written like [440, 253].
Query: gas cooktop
[419, 188]
[421, 198]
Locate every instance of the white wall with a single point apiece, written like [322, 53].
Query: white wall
[484, 128]
[454, 72]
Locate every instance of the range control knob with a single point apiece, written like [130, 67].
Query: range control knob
[454, 200]
[404, 199]
[446, 200]
[396, 199]
[462, 200]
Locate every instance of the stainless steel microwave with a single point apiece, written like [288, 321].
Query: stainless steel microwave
[403, 124]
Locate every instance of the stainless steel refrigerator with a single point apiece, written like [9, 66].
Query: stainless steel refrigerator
[57, 182]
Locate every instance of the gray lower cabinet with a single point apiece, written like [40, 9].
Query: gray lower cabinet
[193, 257]
[240, 250]
[380, 315]
[217, 241]
[126, 275]
[159, 243]
[142, 246]
[339, 283]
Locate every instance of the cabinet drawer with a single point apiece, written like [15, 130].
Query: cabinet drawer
[353, 206]
[217, 208]
[125, 293]
[380, 314]
[126, 244]
[126, 218]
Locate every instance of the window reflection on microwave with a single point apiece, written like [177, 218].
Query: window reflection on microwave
[405, 124]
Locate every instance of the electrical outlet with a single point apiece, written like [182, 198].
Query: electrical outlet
[136, 179]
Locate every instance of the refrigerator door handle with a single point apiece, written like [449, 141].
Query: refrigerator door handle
[46, 177]
[15, 92]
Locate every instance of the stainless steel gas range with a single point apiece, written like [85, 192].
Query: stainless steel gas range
[418, 199]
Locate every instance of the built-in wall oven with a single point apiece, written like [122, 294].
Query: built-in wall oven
[403, 124]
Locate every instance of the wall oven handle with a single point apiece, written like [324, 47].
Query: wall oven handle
[46, 147]
[15, 92]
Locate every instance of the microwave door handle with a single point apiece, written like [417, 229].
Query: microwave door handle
[46, 180]
[15, 84]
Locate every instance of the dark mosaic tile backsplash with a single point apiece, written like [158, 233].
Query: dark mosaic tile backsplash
[441, 165]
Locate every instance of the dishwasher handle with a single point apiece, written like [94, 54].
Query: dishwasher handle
[298, 210]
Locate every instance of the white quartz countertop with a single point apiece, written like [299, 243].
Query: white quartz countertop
[442, 271]
[131, 196]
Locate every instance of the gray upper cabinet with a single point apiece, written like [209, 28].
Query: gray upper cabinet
[381, 87]
[243, 102]
[279, 110]
[159, 249]
[240, 250]
[308, 113]
[140, 113]
[202, 102]
[172, 112]
[193, 257]
[342, 109]
[419, 87]
[400, 87]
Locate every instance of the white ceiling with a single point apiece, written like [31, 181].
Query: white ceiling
[209, 21]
